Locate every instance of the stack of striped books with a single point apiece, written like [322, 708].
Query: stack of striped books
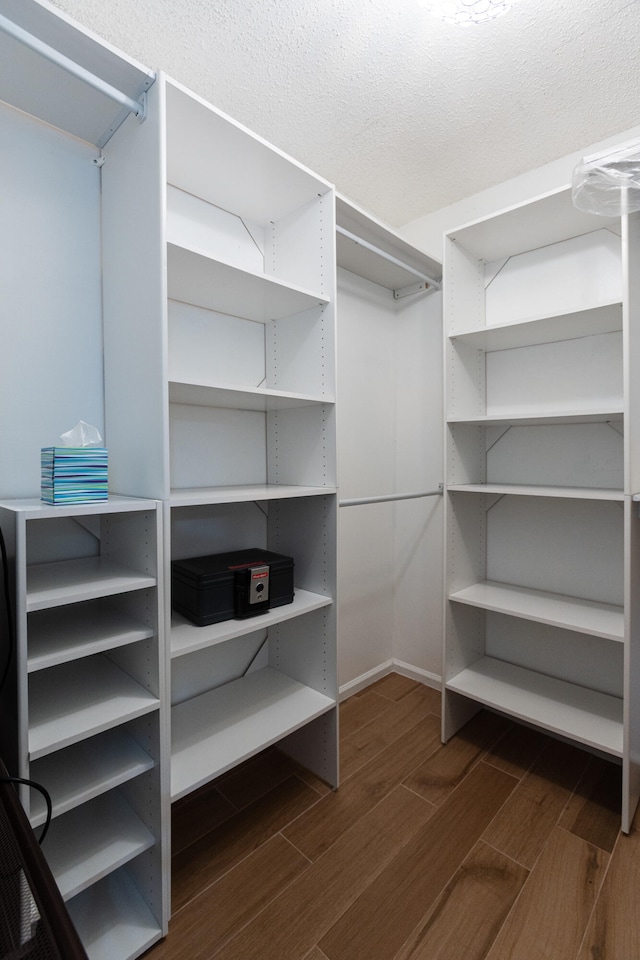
[73, 474]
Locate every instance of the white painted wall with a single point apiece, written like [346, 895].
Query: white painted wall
[50, 294]
[389, 441]
[426, 232]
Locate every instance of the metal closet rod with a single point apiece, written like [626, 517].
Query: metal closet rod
[356, 501]
[436, 284]
[50, 53]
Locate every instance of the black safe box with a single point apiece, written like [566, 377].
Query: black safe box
[236, 585]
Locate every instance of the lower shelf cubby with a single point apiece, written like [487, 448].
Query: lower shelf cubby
[88, 769]
[524, 653]
[114, 919]
[70, 702]
[215, 731]
[78, 630]
[589, 717]
[92, 841]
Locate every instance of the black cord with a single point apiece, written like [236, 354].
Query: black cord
[40, 789]
[7, 598]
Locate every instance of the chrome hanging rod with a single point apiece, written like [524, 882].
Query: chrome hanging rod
[50, 53]
[357, 501]
[436, 284]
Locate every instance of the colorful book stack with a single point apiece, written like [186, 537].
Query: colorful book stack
[74, 474]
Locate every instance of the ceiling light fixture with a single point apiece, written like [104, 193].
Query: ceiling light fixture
[464, 12]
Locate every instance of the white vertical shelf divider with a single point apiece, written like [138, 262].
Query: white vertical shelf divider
[631, 767]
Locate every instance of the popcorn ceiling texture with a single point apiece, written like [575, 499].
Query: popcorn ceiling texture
[403, 113]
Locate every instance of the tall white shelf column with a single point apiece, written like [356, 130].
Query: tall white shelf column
[219, 272]
[542, 537]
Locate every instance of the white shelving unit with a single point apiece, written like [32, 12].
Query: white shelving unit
[227, 318]
[215, 275]
[86, 687]
[541, 463]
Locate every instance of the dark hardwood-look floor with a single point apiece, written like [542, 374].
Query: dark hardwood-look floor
[502, 845]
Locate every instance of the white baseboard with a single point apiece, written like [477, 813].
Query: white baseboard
[417, 673]
[382, 670]
[364, 680]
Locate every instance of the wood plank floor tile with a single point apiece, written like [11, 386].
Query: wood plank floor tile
[204, 862]
[444, 770]
[360, 710]
[522, 827]
[207, 921]
[517, 750]
[315, 954]
[323, 824]
[296, 921]
[593, 812]
[197, 814]
[321, 787]
[390, 909]
[253, 779]
[367, 742]
[394, 686]
[613, 932]
[482, 892]
[551, 914]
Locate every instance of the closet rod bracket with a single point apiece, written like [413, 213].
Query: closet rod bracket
[411, 290]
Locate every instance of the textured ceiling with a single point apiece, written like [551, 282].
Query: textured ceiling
[403, 113]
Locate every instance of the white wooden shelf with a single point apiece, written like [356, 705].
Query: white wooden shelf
[113, 911]
[587, 716]
[75, 700]
[527, 226]
[186, 637]
[238, 397]
[86, 770]
[541, 417]
[196, 278]
[533, 490]
[230, 166]
[68, 633]
[194, 496]
[605, 318]
[215, 731]
[569, 613]
[94, 840]
[32, 508]
[86, 578]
